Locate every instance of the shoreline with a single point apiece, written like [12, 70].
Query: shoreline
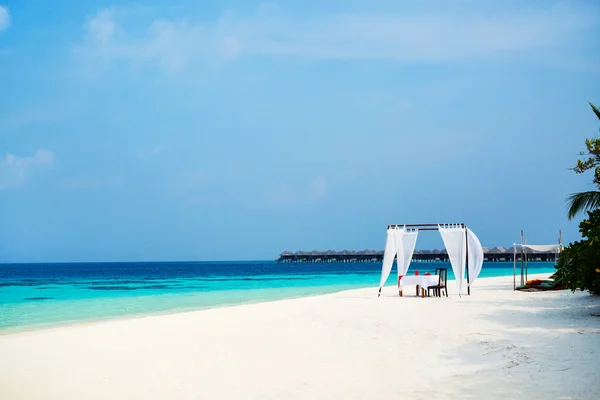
[140, 315]
[348, 344]
[174, 311]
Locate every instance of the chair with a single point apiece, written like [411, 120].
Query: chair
[442, 283]
[437, 272]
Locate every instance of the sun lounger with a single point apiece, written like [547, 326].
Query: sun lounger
[539, 285]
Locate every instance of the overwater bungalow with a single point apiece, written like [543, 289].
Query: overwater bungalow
[498, 253]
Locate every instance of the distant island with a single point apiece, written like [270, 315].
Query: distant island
[494, 254]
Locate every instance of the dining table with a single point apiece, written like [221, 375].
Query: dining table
[420, 281]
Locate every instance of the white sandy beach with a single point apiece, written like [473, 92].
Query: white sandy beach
[495, 344]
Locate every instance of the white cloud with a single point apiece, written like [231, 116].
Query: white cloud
[101, 26]
[4, 18]
[462, 34]
[15, 171]
[230, 46]
[168, 43]
[317, 189]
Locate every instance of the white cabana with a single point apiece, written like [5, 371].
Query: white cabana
[524, 251]
[462, 245]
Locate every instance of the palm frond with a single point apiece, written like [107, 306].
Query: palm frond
[596, 111]
[583, 201]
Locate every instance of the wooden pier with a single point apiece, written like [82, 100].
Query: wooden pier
[496, 254]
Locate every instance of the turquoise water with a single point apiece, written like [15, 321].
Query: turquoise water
[40, 295]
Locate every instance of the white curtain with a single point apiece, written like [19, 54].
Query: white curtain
[400, 260]
[409, 240]
[455, 242]
[475, 256]
[388, 256]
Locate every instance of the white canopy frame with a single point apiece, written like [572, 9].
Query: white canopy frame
[463, 251]
[523, 247]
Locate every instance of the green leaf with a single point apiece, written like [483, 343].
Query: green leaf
[583, 201]
[596, 111]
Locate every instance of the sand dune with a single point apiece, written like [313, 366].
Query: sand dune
[495, 344]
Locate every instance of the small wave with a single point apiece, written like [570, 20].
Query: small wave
[25, 282]
[292, 278]
[38, 298]
[112, 288]
[118, 282]
[117, 287]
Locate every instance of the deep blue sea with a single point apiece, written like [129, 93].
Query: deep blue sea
[38, 295]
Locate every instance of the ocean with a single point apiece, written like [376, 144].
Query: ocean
[42, 295]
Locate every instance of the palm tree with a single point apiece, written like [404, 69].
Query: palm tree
[596, 111]
[584, 201]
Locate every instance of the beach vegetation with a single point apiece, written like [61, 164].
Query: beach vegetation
[577, 266]
[589, 200]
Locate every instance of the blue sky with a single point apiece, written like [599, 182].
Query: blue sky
[229, 130]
